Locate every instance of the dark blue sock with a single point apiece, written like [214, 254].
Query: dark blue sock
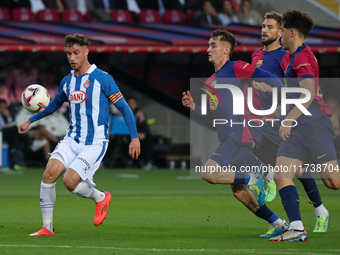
[291, 202]
[311, 188]
[265, 213]
[252, 160]
[241, 178]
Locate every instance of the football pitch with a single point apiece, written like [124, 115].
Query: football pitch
[152, 212]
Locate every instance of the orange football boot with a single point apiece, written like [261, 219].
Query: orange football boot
[101, 209]
[43, 232]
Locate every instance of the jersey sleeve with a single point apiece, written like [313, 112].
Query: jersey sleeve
[60, 97]
[252, 56]
[303, 67]
[243, 70]
[109, 86]
[255, 56]
[111, 89]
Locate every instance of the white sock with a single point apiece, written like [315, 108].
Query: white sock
[270, 175]
[47, 201]
[85, 190]
[320, 211]
[297, 225]
[277, 222]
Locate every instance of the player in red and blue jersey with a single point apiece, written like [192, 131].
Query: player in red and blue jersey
[313, 135]
[235, 140]
[273, 58]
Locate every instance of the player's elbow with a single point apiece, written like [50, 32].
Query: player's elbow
[312, 95]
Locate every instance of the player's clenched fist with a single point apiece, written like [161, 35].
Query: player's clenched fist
[23, 126]
[187, 100]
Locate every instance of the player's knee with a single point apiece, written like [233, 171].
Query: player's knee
[49, 177]
[69, 183]
[332, 184]
[209, 177]
[279, 179]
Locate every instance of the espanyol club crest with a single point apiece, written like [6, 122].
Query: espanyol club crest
[87, 84]
[259, 63]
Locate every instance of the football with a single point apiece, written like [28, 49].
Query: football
[35, 98]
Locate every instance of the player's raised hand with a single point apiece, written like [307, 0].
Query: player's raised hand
[134, 148]
[187, 100]
[23, 126]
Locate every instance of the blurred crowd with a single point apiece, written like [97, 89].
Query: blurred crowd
[198, 12]
[43, 135]
[224, 12]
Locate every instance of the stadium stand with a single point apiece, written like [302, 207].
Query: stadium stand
[23, 14]
[71, 15]
[48, 15]
[121, 15]
[4, 14]
[174, 16]
[149, 16]
[149, 57]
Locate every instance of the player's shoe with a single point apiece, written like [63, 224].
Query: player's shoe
[255, 185]
[291, 235]
[270, 191]
[321, 224]
[43, 232]
[276, 230]
[101, 209]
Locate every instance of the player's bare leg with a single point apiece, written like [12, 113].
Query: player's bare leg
[75, 184]
[283, 178]
[242, 194]
[215, 174]
[277, 225]
[330, 174]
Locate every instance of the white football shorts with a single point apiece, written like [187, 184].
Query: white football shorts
[84, 159]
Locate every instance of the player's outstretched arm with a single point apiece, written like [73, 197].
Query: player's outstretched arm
[23, 126]
[187, 100]
[134, 148]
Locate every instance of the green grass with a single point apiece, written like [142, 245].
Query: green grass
[156, 213]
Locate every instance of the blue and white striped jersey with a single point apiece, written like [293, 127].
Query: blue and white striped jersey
[88, 104]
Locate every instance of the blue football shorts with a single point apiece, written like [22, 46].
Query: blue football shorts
[232, 153]
[314, 139]
[272, 133]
